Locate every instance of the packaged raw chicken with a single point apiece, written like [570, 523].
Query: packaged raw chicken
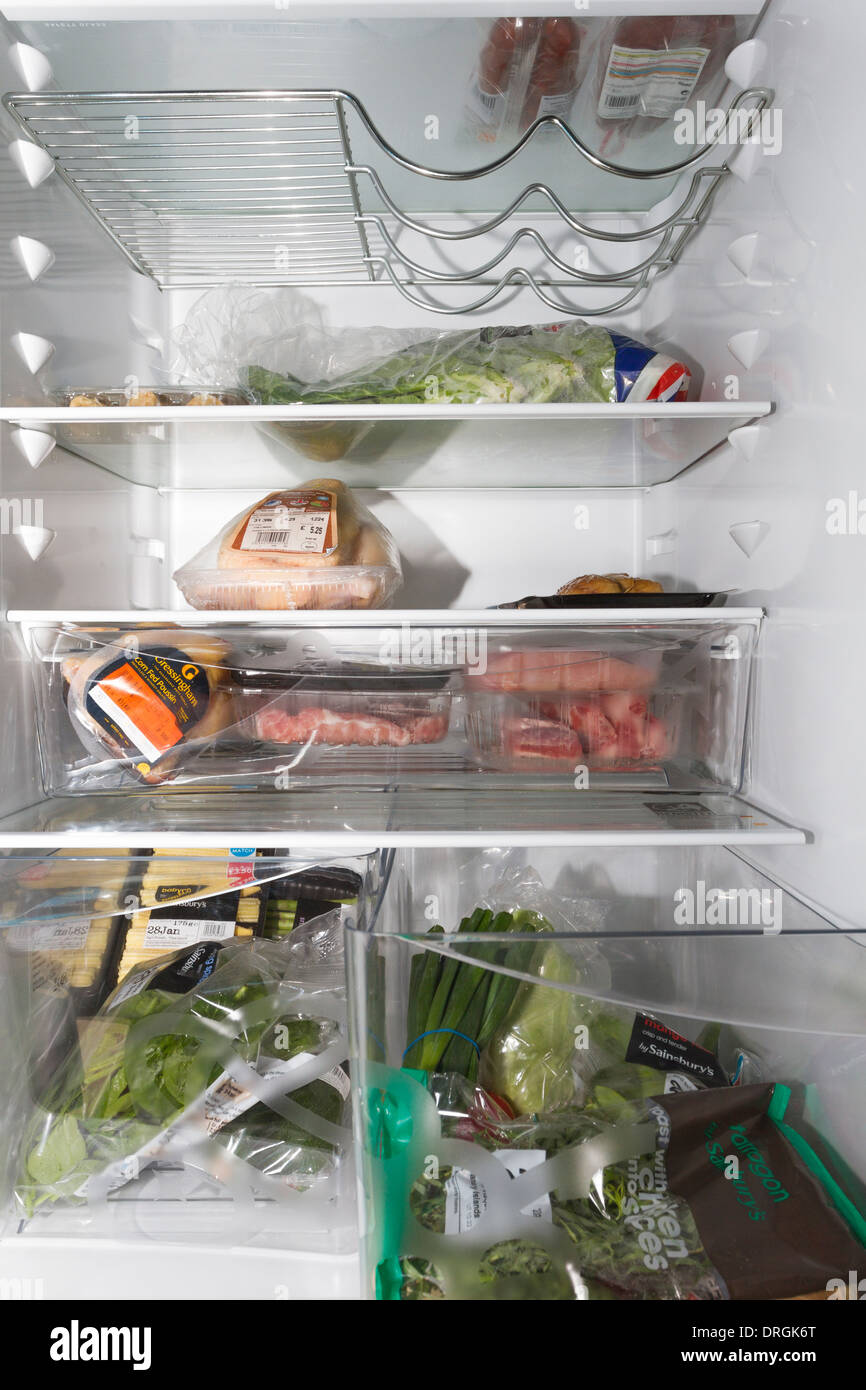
[314, 546]
[144, 697]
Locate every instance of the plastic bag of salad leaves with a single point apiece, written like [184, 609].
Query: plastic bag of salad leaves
[275, 344]
[714, 1194]
[224, 1059]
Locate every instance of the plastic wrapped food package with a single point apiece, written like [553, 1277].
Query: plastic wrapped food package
[644, 72]
[566, 1206]
[175, 914]
[527, 68]
[144, 707]
[235, 702]
[274, 343]
[314, 546]
[346, 704]
[225, 1058]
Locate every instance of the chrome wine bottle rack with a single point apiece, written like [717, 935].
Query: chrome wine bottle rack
[202, 188]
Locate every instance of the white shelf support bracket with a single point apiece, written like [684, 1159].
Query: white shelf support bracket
[148, 337]
[748, 535]
[33, 351]
[33, 256]
[34, 164]
[665, 543]
[746, 62]
[743, 253]
[33, 445]
[32, 66]
[748, 346]
[746, 440]
[34, 539]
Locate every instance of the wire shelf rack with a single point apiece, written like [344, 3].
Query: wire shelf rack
[202, 188]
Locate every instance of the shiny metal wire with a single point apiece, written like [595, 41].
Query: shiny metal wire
[200, 188]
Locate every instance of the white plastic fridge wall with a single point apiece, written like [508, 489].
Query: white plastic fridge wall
[803, 299]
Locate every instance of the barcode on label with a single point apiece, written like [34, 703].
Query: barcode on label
[213, 929]
[487, 99]
[271, 537]
[620, 102]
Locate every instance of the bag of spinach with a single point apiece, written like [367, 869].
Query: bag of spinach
[225, 1058]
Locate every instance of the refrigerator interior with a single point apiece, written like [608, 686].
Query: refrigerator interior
[743, 493]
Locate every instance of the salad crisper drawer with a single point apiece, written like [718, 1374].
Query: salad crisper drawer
[631, 701]
[532, 1039]
[175, 1052]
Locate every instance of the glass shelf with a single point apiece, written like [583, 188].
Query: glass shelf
[408, 446]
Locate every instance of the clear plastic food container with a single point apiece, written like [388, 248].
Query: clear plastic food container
[644, 699]
[344, 586]
[621, 730]
[350, 705]
[241, 706]
[314, 546]
[254, 705]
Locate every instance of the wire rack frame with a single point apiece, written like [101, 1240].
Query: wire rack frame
[199, 188]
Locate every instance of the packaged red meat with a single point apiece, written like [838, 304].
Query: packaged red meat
[527, 68]
[646, 69]
[313, 546]
[144, 697]
[623, 731]
[350, 704]
[555, 708]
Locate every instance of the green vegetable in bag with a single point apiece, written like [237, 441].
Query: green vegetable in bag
[528, 1060]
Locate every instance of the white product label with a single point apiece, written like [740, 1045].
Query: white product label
[466, 1196]
[649, 81]
[134, 984]
[676, 1081]
[227, 1098]
[488, 107]
[169, 934]
[337, 1078]
[556, 104]
[65, 934]
[284, 527]
[100, 697]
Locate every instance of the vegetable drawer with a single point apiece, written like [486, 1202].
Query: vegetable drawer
[174, 1048]
[556, 1054]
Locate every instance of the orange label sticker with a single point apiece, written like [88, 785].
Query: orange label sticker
[138, 711]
